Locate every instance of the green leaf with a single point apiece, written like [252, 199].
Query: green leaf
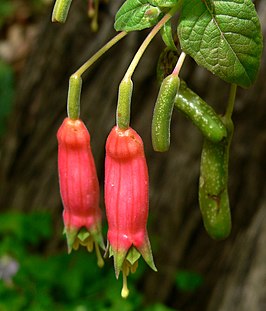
[167, 36]
[136, 15]
[209, 4]
[29, 228]
[224, 37]
[163, 3]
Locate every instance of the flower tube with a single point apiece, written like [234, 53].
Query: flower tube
[79, 187]
[126, 200]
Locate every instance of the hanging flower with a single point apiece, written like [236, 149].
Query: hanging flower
[126, 200]
[79, 187]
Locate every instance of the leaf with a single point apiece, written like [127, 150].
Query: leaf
[136, 15]
[224, 37]
[29, 228]
[209, 5]
[167, 36]
[163, 3]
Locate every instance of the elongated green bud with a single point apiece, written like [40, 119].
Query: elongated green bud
[200, 113]
[73, 99]
[124, 104]
[213, 193]
[162, 114]
[60, 10]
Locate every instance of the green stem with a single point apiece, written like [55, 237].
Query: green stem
[148, 39]
[126, 85]
[100, 52]
[60, 10]
[75, 81]
[124, 103]
[179, 64]
[227, 119]
[73, 98]
[231, 102]
[94, 23]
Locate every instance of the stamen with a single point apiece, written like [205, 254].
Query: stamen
[126, 267]
[91, 9]
[76, 244]
[94, 23]
[134, 267]
[100, 261]
[89, 244]
[124, 291]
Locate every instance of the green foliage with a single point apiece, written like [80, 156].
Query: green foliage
[141, 14]
[167, 36]
[26, 228]
[188, 281]
[224, 37]
[158, 307]
[6, 10]
[136, 15]
[58, 281]
[6, 91]
[213, 194]
[163, 3]
[162, 114]
[200, 113]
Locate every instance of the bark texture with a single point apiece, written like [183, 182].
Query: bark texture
[233, 270]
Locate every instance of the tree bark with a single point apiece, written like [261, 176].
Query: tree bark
[233, 270]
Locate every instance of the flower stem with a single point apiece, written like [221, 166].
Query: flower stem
[231, 102]
[147, 41]
[60, 10]
[75, 81]
[94, 23]
[125, 290]
[179, 64]
[124, 103]
[100, 52]
[73, 98]
[100, 261]
[126, 85]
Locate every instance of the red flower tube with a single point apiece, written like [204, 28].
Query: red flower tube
[79, 187]
[126, 200]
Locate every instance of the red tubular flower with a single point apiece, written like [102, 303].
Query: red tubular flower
[79, 187]
[126, 200]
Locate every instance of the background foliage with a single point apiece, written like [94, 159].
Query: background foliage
[33, 279]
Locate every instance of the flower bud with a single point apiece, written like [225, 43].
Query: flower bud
[79, 187]
[126, 200]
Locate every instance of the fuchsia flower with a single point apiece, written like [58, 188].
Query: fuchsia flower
[79, 187]
[126, 200]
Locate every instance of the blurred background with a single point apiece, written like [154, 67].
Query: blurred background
[194, 272]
